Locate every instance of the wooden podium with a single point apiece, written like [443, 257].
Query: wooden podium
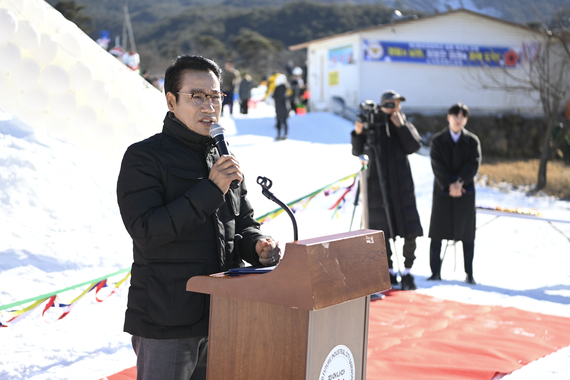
[284, 324]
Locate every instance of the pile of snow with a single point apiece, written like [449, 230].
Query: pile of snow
[55, 77]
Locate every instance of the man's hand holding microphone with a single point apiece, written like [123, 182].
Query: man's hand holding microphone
[226, 172]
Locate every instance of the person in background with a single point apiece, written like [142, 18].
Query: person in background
[146, 75]
[118, 52]
[289, 67]
[175, 200]
[230, 78]
[282, 105]
[271, 85]
[455, 159]
[395, 138]
[245, 86]
[297, 87]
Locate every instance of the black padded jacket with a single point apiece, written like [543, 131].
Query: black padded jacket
[181, 226]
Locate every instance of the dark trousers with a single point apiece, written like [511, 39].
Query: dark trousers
[285, 126]
[229, 100]
[173, 359]
[409, 252]
[243, 106]
[435, 256]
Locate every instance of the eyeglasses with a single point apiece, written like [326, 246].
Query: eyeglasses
[199, 98]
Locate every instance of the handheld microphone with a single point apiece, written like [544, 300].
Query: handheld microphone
[217, 133]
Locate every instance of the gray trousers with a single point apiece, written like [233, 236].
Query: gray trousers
[171, 359]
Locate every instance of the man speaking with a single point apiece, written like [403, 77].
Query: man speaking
[176, 203]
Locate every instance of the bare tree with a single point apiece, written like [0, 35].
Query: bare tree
[545, 72]
[560, 30]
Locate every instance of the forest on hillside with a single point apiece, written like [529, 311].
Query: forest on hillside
[256, 38]
[256, 34]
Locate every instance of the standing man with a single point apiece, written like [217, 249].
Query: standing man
[394, 138]
[176, 203]
[297, 88]
[455, 159]
[282, 106]
[245, 86]
[230, 78]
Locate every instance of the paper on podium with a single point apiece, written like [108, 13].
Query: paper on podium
[248, 270]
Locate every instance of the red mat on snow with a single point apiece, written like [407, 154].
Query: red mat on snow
[414, 336]
[127, 374]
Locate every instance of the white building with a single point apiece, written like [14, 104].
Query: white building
[434, 61]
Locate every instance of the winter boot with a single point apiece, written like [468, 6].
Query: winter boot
[435, 277]
[408, 282]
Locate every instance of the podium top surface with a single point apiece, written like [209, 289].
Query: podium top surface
[313, 274]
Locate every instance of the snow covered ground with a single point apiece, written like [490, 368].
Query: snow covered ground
[60, 226]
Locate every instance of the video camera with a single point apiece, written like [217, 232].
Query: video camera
[367, 109]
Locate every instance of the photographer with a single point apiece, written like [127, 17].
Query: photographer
[385, 132]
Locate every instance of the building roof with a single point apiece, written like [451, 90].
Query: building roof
[390, 25]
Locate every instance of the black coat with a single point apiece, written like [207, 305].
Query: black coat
[182, 225]
[245, 87]
[454, 218]
[282, 103]
[395, 144]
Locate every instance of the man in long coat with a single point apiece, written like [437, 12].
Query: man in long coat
[455, 159]
[394, 138]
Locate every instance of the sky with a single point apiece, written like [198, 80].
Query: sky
[60, 226]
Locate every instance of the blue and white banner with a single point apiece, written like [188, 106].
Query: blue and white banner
[440, 54]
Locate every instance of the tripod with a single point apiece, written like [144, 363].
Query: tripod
[373, 150]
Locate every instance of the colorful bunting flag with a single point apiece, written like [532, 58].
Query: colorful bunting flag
[54, 309]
